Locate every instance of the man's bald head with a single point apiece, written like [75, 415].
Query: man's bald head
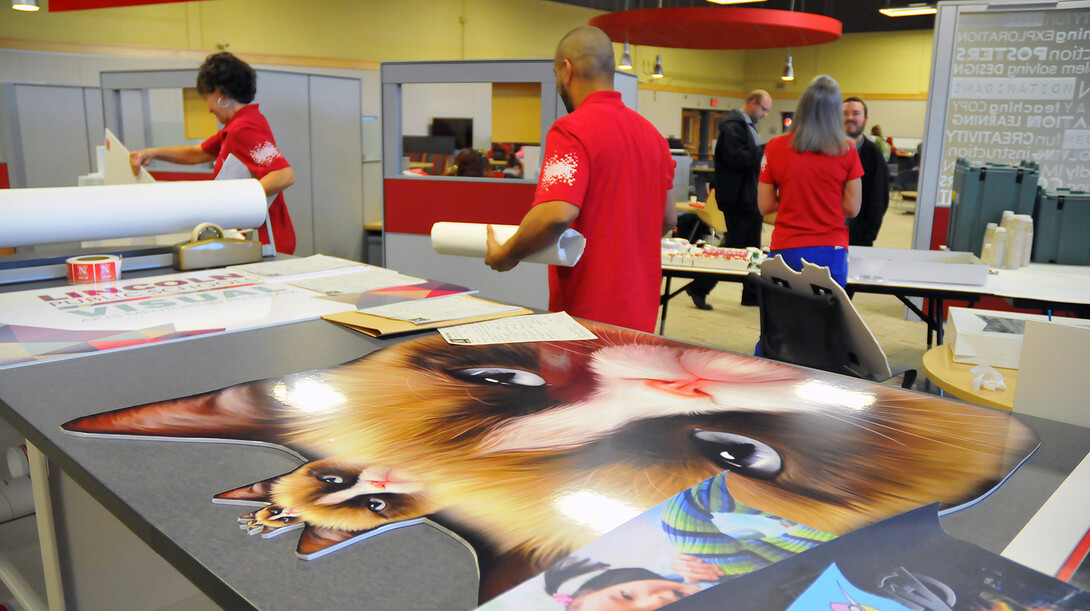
[590, 52]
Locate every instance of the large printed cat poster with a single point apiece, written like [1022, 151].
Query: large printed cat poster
[532, 450]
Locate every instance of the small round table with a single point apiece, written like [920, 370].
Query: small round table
[954, 378]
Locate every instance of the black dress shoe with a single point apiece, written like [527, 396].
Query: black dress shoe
[700, 301]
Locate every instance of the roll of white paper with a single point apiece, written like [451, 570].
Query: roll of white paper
[1012, 252]
[999, 246]
[16, 498]
[18, 463]
[1017, 238]
[471, 240]
[72, 214]
[1027, 250]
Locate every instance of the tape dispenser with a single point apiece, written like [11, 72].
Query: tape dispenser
[209, 246]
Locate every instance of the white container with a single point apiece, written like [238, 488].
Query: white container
[906, 265]
[991, 337]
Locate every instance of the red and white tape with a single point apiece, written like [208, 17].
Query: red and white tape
[93, 268]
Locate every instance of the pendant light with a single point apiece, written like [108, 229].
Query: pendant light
[658, 67]
[788, 73]
[912, 10]
[25, 5]
[626, 58]
[788, 70]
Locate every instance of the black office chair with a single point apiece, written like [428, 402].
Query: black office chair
[807, 329]
[904, 182]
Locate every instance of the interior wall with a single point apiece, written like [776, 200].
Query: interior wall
[663, 108]
[871, 63]
[874, 63]
[516, 112]
[890, 70]
[421, 102]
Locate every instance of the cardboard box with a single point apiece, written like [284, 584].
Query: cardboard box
[990, 337]
[906, 265]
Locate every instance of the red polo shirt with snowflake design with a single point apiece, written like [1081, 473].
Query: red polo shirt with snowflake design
[248, 137]
[616, 167]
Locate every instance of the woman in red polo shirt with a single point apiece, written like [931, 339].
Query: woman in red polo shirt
[810, 178]
[228, 85]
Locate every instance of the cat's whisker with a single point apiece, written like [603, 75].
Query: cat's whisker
[904, 428]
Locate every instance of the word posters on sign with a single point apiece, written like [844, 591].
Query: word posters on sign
[1020, 90]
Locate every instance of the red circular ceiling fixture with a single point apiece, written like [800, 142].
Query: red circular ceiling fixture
[718, 28]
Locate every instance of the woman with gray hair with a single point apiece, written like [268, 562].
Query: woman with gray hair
[810, 178]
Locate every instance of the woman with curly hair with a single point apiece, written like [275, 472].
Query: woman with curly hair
[228, 85]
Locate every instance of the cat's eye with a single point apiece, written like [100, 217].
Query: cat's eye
[275, 511]
[331, 479]
[499, 376]
[742, 455]
[376, 504]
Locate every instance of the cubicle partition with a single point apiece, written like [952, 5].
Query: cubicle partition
[316, 122]
[414, 93]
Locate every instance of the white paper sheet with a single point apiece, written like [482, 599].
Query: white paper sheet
[470, 240]
[537, 328]
[298, 267]
[72, 214]
[233, 169]
[115, 166]
[355, 281]
[424, 311]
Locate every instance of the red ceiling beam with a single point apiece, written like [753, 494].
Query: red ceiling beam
[718, 28]
[58, 6]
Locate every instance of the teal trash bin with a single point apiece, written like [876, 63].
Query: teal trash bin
[1061, 227]
[981, 193]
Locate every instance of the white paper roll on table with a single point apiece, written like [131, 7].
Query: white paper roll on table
[16, 498]
[18, 463]
[471, 240]
[72, 214]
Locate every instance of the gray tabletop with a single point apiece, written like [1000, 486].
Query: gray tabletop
[162, 491]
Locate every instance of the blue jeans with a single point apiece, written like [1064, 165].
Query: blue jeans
[833, 257]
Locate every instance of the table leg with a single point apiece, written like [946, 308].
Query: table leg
[47, 535]
[665, 300]
[928, 320]
[937, 314]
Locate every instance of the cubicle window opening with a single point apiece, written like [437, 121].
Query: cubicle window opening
[510, 102]
[513, 86]
[469, 130]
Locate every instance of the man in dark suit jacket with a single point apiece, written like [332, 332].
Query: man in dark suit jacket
[737, 164]
[863, 229]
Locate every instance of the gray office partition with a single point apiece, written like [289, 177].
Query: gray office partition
[410, 250]
[45, 134]
[316, 121]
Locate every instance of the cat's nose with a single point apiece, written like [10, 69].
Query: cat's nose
[691, 387]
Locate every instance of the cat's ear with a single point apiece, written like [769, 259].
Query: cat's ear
[317, 541]
[256, 492]
[238, 412]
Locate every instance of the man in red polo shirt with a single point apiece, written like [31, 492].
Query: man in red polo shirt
[606, 174]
